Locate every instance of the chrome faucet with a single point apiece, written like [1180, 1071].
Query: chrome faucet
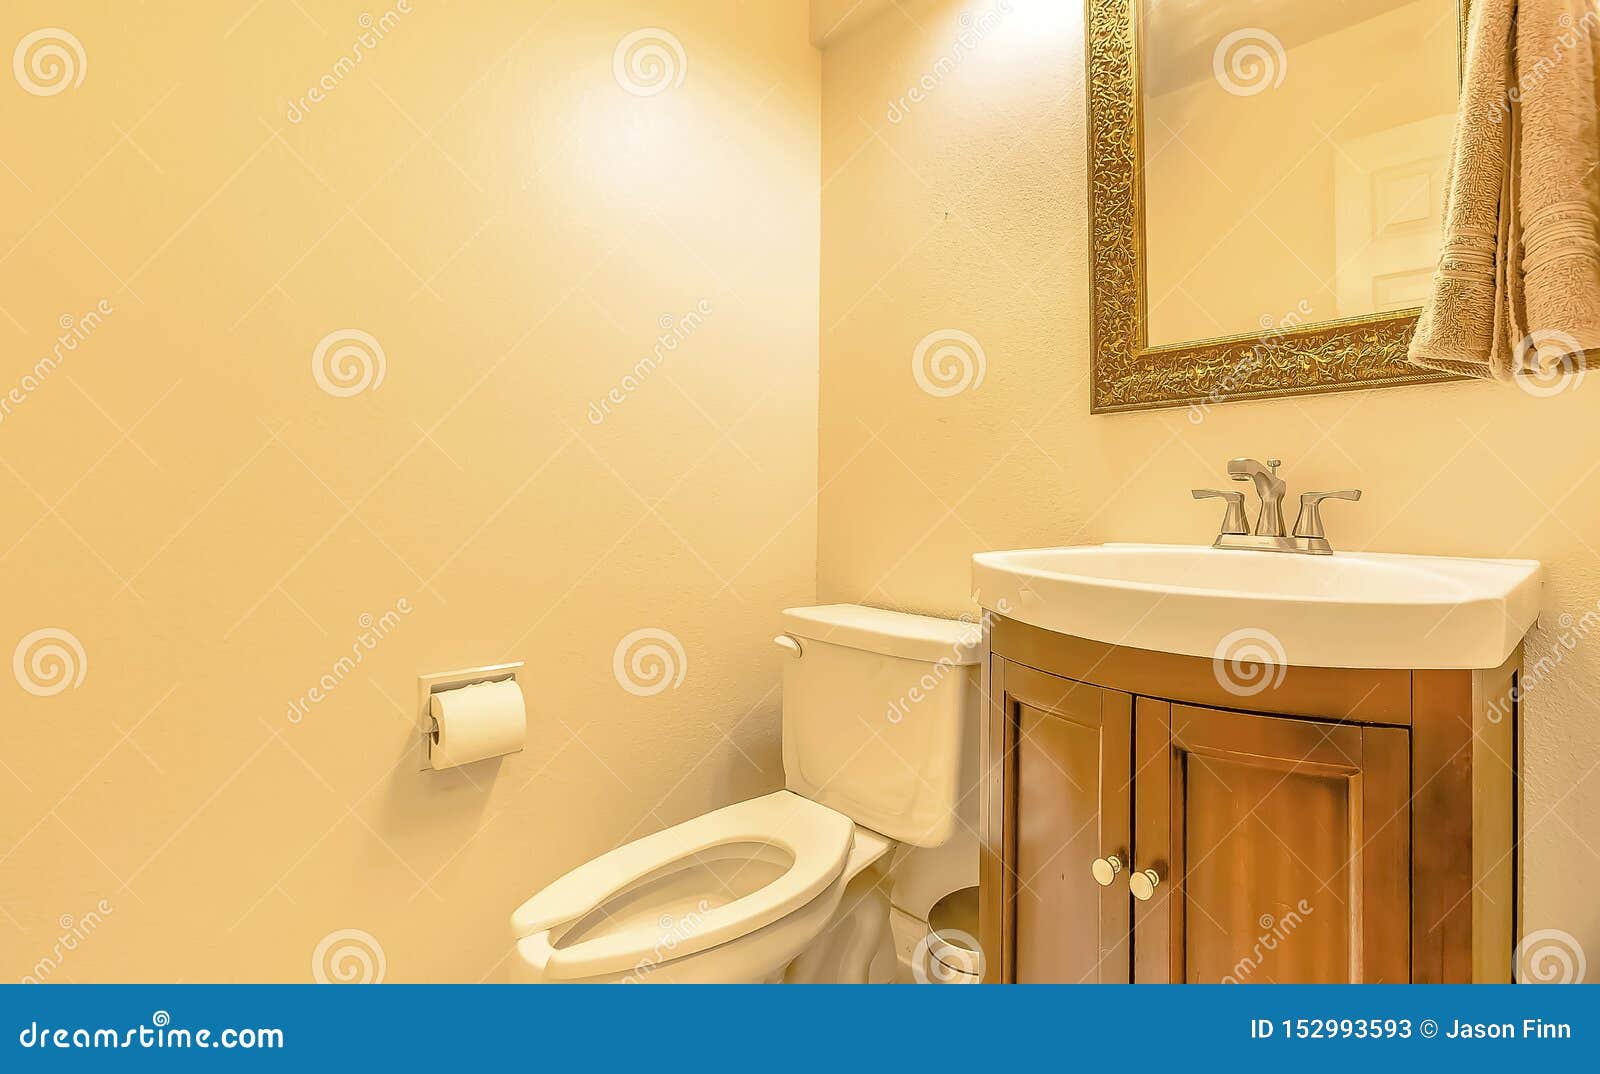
[1269, 536]
[1269, 488]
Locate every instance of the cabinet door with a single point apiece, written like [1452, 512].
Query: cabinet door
[1280, 848]
[1066, 752]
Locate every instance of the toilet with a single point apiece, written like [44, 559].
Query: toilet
[787, 886]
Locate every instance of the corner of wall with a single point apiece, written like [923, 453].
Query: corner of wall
[833, 19]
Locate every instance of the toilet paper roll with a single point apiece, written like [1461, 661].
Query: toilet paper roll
[479, 721]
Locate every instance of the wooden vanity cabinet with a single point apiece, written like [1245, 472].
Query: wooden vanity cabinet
[1293, 841]
[1072, 754]
[1336, 826]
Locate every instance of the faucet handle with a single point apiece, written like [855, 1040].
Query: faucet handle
[1309, 524]
[1233, 521]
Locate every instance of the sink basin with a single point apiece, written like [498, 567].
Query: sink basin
[1347, 610]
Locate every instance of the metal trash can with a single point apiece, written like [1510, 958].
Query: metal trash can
[950, 954]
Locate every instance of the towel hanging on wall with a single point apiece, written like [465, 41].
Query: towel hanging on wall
[1517, 289]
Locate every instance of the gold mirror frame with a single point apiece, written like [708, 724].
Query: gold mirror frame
[1127, 373]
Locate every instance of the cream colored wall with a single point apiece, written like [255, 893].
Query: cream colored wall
[968, 214]
[482, 196]
[831, 19]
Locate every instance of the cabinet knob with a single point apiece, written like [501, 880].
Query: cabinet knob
[1143, 884]
[1105, 870]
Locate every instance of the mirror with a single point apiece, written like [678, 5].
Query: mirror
[1295, 158]
[1267, 192]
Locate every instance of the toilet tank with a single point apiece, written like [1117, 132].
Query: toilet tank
[874, 708]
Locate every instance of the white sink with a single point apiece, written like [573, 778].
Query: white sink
[1347, 610]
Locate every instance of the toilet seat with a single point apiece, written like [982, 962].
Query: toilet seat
[816, 840]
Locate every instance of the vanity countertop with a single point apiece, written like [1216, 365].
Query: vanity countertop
[1346, 610]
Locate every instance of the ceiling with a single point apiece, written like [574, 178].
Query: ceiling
[1179, 37]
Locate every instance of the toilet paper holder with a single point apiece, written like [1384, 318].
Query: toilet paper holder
[438, 683]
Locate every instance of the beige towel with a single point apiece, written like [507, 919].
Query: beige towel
[1518, 284]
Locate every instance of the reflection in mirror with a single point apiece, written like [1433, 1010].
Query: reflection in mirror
[1295, 158]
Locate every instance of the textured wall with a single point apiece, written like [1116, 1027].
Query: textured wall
[965, 210]
[223, 523]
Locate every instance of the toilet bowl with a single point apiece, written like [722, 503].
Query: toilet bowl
[732, 896]
[784, 886]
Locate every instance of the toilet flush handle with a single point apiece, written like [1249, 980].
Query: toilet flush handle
[789, 643]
